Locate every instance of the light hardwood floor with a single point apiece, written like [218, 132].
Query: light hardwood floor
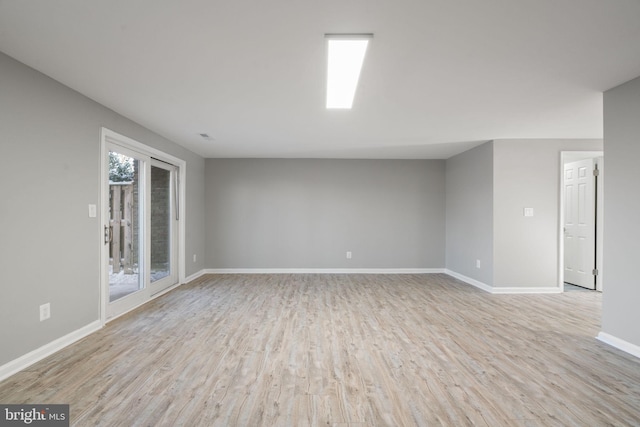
[374, 350]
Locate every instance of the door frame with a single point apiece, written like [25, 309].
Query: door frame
[569, 156]
[107, 137]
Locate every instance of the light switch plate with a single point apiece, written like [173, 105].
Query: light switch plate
[528, 211]
[92, 211]
[45, 311]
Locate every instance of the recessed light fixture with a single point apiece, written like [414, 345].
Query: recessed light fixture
[344, 62]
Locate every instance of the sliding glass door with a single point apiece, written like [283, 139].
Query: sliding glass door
[141, 218]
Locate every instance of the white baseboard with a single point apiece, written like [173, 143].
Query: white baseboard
[36, 355]
[323, 270]
[504, 289]
[525, 290]
[470, 281]
[620, 344]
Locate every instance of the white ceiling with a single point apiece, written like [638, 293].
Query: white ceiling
[440, 76]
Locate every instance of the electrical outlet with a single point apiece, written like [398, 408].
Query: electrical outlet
[45, 311]
[348, 254]
[194, 257]
[477, 263]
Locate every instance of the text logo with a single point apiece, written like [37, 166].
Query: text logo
[34, 415]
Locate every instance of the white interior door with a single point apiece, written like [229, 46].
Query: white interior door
[579, 223]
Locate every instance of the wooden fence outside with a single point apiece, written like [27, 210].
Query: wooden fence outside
[121, 223]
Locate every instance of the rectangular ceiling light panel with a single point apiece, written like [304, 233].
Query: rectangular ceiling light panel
[346, 55]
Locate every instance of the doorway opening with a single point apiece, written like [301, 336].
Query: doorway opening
[581, 220]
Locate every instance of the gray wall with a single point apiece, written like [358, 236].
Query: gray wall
[620, 306]
[527, 174]
[49, 169]
[470, 213]
[295, 213]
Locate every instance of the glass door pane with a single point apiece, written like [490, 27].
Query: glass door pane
[160, 223]
[164, 226]
[125, 236]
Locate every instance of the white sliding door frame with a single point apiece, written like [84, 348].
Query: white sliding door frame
[107, 138]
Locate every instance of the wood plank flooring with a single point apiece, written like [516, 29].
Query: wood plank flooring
[361, 350]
